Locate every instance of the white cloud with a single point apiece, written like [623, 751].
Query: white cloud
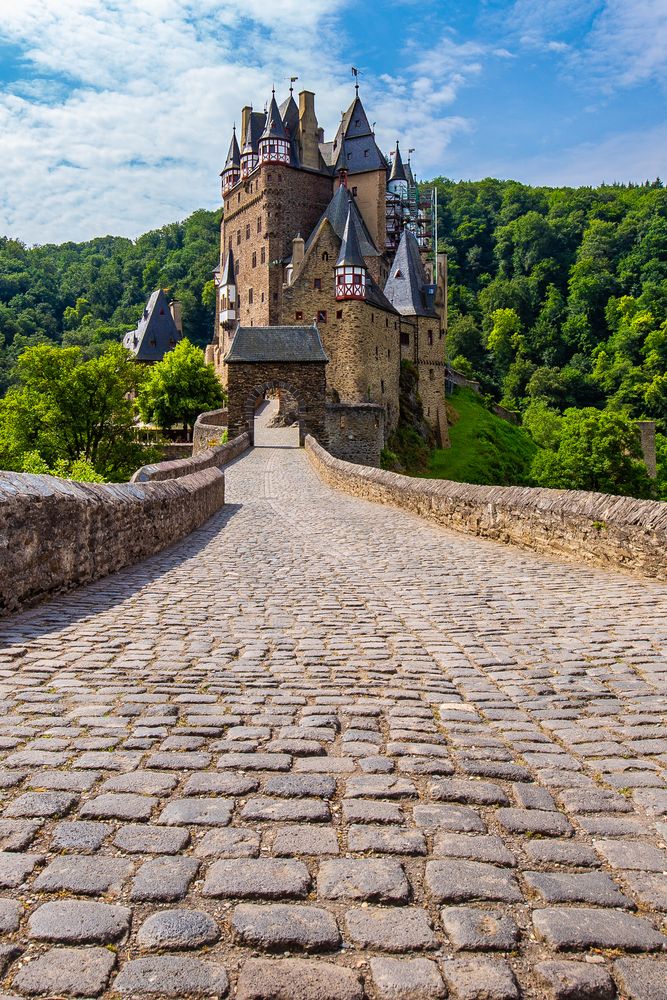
[123, 121]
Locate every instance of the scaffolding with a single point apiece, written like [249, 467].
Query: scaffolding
[414, 212]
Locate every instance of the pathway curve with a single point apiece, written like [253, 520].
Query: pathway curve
[324, 749]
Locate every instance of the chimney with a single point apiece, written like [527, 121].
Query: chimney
[176, 315]
[298, 250]
[308, 130]
[245, 118]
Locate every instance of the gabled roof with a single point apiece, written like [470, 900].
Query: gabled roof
[336, 214]
[350, 251]
[256, 124]
[156, 333]
[234, 154]
[407, 281]
[228, 276]
[397, 168]
[354, 148]
[274, 128]
[275, 344]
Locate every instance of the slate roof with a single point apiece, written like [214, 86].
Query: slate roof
[336, 213]
[228, 276]
[350, 251]
[354, 147]
[274, 128]
[234, 154]
[156, 333]
[397, 168]
[289, 113]
[407, 282]
[276, 344]
[256, 124]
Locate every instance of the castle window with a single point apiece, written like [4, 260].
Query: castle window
[247, 231]
[354, 192]
[376, 354]
[372, 317]
[263, 255]
[325, 256]
[250, 296]
[259, 225]
[398, 274]
[431, 374]
[441, 334]
[298, 315]
[388, 353]
[405, 339]
[357, 122]
[238, 237]
[321, 315]
[237, 267]
[382, 386]
[275, 296]
[386, 322]
[365, 152]
[430, 337]
[339, 314]
[152, 342]
[317, 283]
[254, 258]
[262, 296]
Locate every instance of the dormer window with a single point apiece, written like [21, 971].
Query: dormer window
[350, 282]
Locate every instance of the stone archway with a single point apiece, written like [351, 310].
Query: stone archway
[258, 394]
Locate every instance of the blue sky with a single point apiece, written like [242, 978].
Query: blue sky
[115, 114]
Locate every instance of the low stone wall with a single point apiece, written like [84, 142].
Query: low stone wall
[56, 535]
[207, 430]
[212, 458]
[355, 433]
[613, 532]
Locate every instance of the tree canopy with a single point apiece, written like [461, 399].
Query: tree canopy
[179, 388]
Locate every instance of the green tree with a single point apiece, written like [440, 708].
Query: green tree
[67, 409]
[179, 388]
[504, 339]
[596, 450]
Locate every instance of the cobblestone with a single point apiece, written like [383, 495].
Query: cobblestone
[320, 724]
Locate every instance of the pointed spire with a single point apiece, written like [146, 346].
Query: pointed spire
[397, 168]
[274, 124]
[228, 276]
[234, 155]
[350, 252]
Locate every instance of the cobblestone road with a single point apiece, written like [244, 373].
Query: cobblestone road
[323, 749]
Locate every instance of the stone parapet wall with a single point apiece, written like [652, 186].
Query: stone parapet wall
[608, 531]
[356, 433]
[208, 428]
[56, 535]
[212, 458]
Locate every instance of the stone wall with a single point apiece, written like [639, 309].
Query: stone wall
[355, 433]
[207, 430]
[211, 458]
[56, 535]
[306, 381]
[612, 532]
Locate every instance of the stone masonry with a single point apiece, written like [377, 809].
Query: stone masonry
[249, 382]
[324, 748]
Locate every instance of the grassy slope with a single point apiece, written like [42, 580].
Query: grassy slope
[485, 449]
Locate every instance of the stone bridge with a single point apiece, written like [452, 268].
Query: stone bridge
[324, 748]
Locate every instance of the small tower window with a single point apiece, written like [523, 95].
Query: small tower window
[325, 256]
[350, 282]
[354, 192]
[431, 374]
[321, 315]
[317, 283]
[259, 225]
[339, 313]
[405, 339]
[263, 255]
[254, 258]
[430, 337]
[376, 354]
[298, 315]
[250, 296]
[238, 237]
[382, 386]
[247, 231]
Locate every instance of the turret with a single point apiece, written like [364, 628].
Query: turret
[398, 181]
[227, 292]
[274, 145]
[249, 158]
[231, 173]
[350, 266]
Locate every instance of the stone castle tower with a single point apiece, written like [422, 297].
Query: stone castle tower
[328, 232]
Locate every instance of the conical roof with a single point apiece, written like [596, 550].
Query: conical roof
[228, 276]
[397, 168]
[234, 155]
[350, 251]
[407, 282]
[274, 124]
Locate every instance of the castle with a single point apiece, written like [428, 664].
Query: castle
[331, 233]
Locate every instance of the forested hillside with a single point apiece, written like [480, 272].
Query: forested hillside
[89, 293]
[558, 302]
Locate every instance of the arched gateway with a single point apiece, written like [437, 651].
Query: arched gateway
[263, 359]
